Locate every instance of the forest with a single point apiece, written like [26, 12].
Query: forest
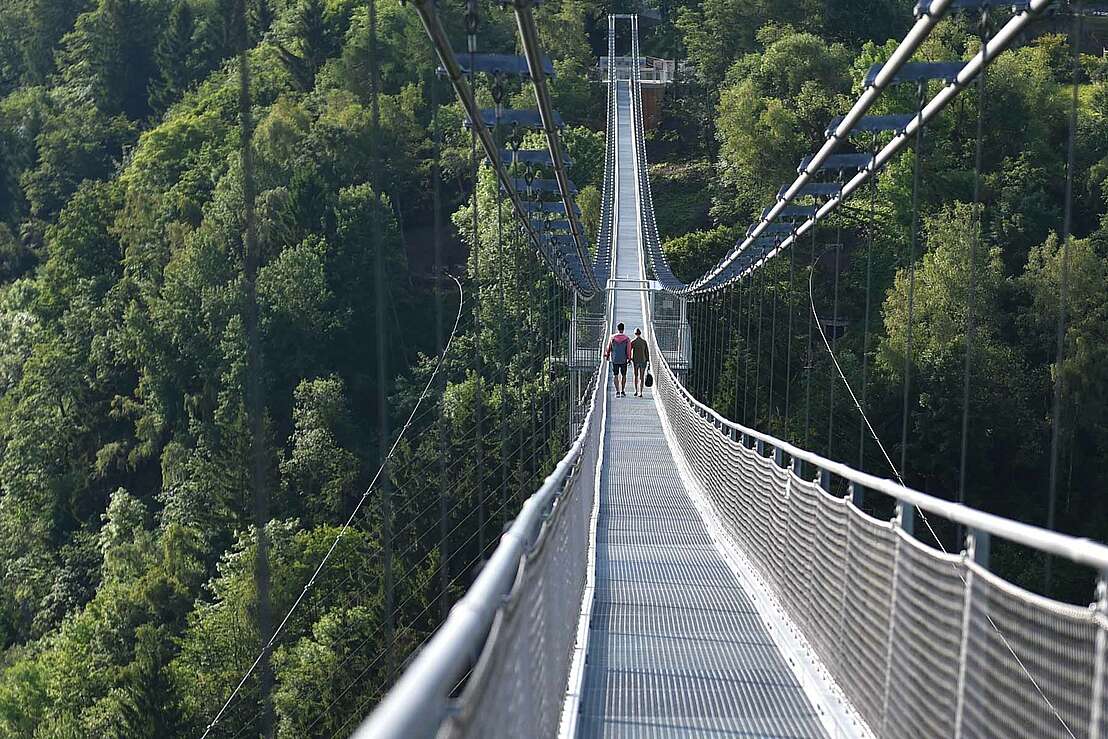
[225, 233]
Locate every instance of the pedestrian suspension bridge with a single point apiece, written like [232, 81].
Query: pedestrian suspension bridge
[680, 574]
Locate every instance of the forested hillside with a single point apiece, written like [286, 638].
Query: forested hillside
[129, 600]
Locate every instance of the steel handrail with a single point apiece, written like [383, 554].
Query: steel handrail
[1080, 550]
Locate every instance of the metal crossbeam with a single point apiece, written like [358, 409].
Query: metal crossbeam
[504, 64]
[917, 72]
[540, 157]
[545, 226]
[529, 119]
[835, 163]
[792, 212]
[896, 123]
[532, 206]
[811, 189]
[522, 184]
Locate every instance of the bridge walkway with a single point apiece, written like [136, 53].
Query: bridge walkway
[676, 646]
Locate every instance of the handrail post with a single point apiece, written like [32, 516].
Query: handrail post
[1100, 621]
[981, 547]
[976, 550]
[906, 518]
[903, 519]
[824, 479]
[857, 494]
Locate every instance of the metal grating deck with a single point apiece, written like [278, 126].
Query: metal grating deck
[676, 647]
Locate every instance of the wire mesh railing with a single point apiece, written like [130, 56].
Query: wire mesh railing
[499, 664]
[919, 641]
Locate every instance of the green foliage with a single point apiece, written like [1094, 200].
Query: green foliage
[173, 54]
[773, 110]
[320, 471]
[692, 254]
[681, 194]
[222, 624]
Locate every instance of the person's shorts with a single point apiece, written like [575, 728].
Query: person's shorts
[640, 366]
[619, 369]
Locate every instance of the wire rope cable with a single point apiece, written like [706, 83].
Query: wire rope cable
[1063, 288]
[913, 239]
[922, 513]
[975, 245]
[346, 525]
[870, 236]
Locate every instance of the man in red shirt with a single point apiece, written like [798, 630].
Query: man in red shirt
[619, 351]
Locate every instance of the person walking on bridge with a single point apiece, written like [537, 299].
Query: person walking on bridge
[640, 356]
[619, 351]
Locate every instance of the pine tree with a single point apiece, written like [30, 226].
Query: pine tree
[48, 21]
[312, 39]
[173, 56]
[261, 18]
[126, 56]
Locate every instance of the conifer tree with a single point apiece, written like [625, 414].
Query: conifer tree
[173, 57]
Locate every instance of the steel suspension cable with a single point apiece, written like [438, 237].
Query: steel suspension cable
[717, 344]
[729, 297]
[471, 23]
[772, 352]
[346, 525]
[975, 243]
[870, 236]
[254, 395]
[436, 235]
[498, 99]
[389, 584]
[917, 165]
[789, 337]
[1063, 289]
[808, 367]
[742, 348]
[758, 350]
[834, 343]
[751, 291]
[927, 521]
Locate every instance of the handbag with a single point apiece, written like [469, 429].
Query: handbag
[649, 381]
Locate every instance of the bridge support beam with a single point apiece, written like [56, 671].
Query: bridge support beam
[857, 496]
[906, 518]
